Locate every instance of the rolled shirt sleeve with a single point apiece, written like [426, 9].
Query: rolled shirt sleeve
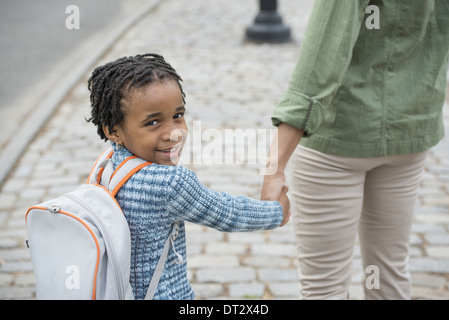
[324, 56]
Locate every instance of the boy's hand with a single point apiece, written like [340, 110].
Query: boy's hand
[285, 203]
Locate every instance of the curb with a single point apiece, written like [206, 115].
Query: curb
[45, 109]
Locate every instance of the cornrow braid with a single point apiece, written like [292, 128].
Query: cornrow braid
[110, 83]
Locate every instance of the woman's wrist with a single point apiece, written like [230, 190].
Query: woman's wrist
[274, 167]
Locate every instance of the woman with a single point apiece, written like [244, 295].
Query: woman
[365, 104]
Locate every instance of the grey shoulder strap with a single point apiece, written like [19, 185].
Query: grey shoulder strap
[100, 163]
[161, 263]
[111, 179]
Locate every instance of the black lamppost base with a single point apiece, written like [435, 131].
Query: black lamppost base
[268, 26]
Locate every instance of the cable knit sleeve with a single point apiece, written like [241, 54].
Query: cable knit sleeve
[192, 201]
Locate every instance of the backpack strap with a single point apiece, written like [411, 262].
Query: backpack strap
[97, 170]
[161, 263]
[124, 171]
[103, 172]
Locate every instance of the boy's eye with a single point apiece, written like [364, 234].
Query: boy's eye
[152, 123]
[178, 115]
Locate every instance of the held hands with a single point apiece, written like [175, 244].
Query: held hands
[274, 189]
[284, 143]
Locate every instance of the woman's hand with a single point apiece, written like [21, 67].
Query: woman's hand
[274, 189]
[272, 186]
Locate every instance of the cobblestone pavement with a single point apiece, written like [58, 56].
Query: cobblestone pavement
[230, 84]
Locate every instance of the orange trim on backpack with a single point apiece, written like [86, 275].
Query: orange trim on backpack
[97, 263]
[95, 164]
[122, 182]
[126, 178]
[122, 164]
[112, 196]
[100, 173]
[35, 207]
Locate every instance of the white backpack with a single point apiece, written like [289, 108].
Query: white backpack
[80, 242]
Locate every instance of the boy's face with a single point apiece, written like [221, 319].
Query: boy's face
[154, 127]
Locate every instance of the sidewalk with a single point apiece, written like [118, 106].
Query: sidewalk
[230, 84]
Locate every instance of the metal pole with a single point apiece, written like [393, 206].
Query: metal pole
[268, 26]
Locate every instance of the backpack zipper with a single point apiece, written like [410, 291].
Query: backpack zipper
[107, 238]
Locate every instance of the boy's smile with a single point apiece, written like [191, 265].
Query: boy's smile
[154, 127]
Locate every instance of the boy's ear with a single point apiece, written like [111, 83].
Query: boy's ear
[112, 135]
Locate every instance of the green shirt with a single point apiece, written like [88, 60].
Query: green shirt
[359, 91]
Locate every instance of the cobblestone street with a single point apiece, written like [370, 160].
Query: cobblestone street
[229, 84]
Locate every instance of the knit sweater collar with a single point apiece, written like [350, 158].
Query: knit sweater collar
[120, 154]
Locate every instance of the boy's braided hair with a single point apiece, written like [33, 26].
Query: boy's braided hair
[110, 83]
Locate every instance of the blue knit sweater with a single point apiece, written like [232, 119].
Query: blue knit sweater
[158, 195]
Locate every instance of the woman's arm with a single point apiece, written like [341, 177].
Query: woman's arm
[282, 147]
[325, 53]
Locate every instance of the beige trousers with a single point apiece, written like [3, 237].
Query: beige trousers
[335, 198]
